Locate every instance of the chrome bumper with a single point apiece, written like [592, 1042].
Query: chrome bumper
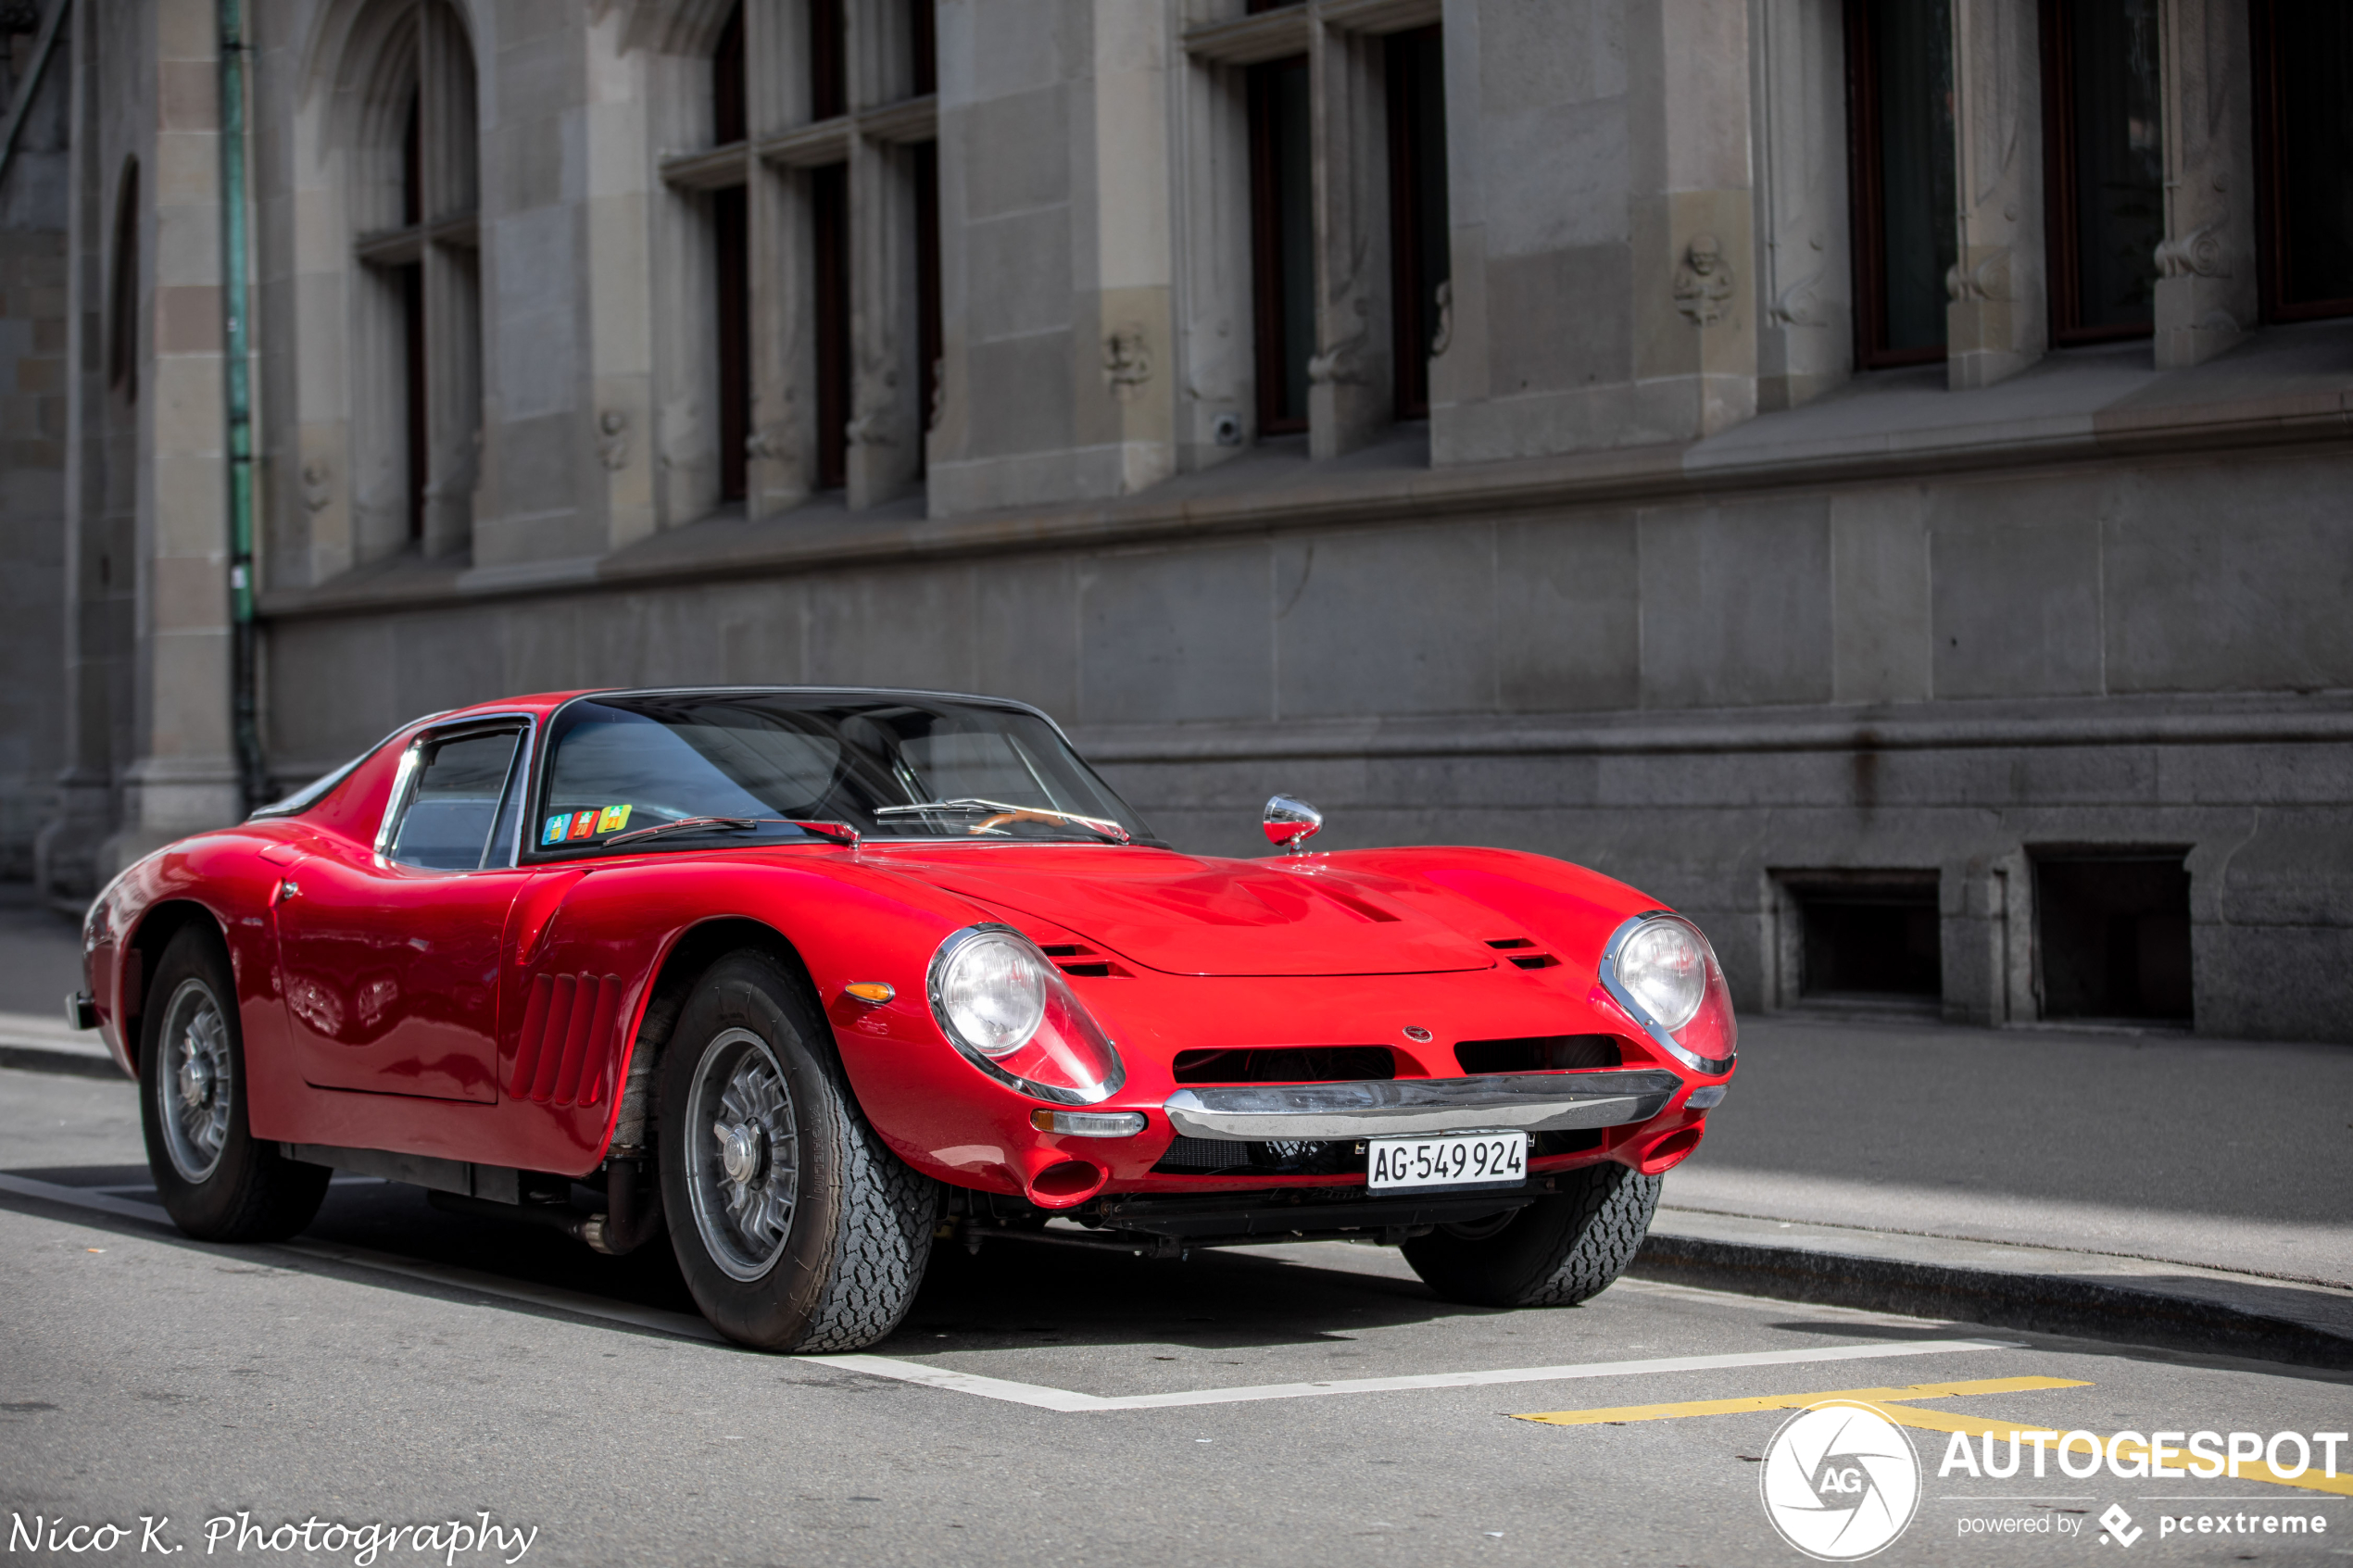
[1529, 1102]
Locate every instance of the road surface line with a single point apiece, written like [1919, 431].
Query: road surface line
[1062, 1399]
[1624, 1413]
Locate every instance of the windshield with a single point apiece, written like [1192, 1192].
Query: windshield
[747, 765]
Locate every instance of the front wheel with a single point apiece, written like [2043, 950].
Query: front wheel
[1556, 1252]
[217, 1182]
[796, 1227]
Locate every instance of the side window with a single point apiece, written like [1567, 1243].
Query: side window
[451, 821]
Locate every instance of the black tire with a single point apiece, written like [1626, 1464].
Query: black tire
[217, 1182]
[1555, 1252]
[838, 1268]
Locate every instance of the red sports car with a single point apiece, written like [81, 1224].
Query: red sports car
[812, 980]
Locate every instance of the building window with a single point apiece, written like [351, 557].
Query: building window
[1419, 255]
[731, 248]
[1899, 57]
[2304, 150]
[829, 295]
[2104, 177]
[2113, 935]
[929, 329]
[923, 47]
[1282, 242]
[828, 60]
[420, 242]
[122, 296]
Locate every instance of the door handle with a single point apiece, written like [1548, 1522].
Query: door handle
[286, 888]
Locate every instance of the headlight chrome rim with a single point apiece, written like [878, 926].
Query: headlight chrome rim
[1056, 988]
[1614, 983]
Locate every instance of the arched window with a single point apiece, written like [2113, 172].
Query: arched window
[418, 429]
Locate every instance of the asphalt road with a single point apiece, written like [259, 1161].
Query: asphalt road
[399, 1366]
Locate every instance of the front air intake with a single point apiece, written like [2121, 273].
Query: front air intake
[1286, 1064]
[1539, 1053]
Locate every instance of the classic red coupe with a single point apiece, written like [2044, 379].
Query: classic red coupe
[812, 980]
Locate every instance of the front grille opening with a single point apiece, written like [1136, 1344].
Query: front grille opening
[1864, 937]
[1286, 1064]
[1233, 1157]
[1539, 1053]
[2113, 934]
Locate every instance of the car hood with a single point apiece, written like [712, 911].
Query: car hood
[1183, 914]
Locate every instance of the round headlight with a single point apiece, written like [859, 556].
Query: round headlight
[1664, 966]
[992, 992]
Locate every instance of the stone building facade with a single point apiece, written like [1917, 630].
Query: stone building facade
[1877, 474]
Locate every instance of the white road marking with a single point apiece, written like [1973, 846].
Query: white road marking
[1062, 1400]
[1034, 1394]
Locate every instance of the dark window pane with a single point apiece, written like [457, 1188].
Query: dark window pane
[412, 162]
[411, 284]
[728, 122]
[2305, 90]
[922, 46]
[2107, 165]
[828, 68]
[830, 236]
[2114, 937]
[731, 239]
[1420, 259]
[1282, 242]
[1901, 51]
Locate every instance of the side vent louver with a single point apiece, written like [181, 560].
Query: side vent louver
[561, 1058]
[1521, 950]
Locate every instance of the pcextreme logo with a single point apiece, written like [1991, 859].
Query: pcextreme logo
[1841, 1480]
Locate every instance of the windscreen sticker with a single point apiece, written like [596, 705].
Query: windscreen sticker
[558, 825]
[584, 823]
[612, 819]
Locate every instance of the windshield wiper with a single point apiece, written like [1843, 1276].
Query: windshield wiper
[731, 824]
[839, 833]
[999, 813]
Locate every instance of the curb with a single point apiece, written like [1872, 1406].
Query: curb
[2041, 1303]
[36, 1058]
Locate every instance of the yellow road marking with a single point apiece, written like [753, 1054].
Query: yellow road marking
[1797, 1401]
[2341, 1484]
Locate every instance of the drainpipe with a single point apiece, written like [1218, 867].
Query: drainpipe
[237, 367]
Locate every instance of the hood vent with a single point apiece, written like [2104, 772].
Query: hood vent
[1079, 960]
[1522, 953]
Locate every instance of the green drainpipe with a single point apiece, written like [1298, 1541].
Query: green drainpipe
[237, 367]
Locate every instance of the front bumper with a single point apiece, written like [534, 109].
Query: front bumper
[1394, 1108]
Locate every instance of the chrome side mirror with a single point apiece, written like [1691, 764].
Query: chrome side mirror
[1290, 823]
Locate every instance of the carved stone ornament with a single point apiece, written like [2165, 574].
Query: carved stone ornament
[1798, 306]
[768, 444]
[1339, 364]
[318, 487]
[2197, 253]
[939, 393]
[1444, 338]
[1704, 282]
[612, 439]
[1990, 279]
[1127, 363]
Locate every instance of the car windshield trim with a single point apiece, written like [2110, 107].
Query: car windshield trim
[832, 762]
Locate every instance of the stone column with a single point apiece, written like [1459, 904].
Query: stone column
[1351, 380]
[1999, 322]
[1125, 372]
[618, 216]
[1805, 292]
[886, 424]
[184, 777]
[2206, 294]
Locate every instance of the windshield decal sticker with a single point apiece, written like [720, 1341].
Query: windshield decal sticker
[612, 819]
[584, 823]
[557, 825]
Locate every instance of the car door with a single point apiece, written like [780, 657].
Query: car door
[389, 953]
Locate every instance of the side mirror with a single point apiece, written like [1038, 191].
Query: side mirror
[1290, 823]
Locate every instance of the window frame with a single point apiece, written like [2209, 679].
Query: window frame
[524, 726]
[2270, 155]
[1867, 186]
[2063, 244]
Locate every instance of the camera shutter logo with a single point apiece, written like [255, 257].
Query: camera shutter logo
[1840, 1481]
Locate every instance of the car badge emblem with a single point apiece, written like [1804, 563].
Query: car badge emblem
[1416, 1033]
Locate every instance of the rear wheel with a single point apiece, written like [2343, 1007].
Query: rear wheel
[1556, 1252]
[217, 1183]
[796, 1227]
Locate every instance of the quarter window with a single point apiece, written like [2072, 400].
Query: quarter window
[457, 817]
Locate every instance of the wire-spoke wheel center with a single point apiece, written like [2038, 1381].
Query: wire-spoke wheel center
[193, 1088]
[743, 1166]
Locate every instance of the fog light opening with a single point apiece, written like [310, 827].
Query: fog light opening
[1668, 1151]
[1067, 1183]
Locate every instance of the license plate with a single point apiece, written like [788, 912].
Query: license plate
[1447, 1160]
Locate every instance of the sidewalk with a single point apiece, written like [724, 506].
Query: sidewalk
[2190, 1192]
